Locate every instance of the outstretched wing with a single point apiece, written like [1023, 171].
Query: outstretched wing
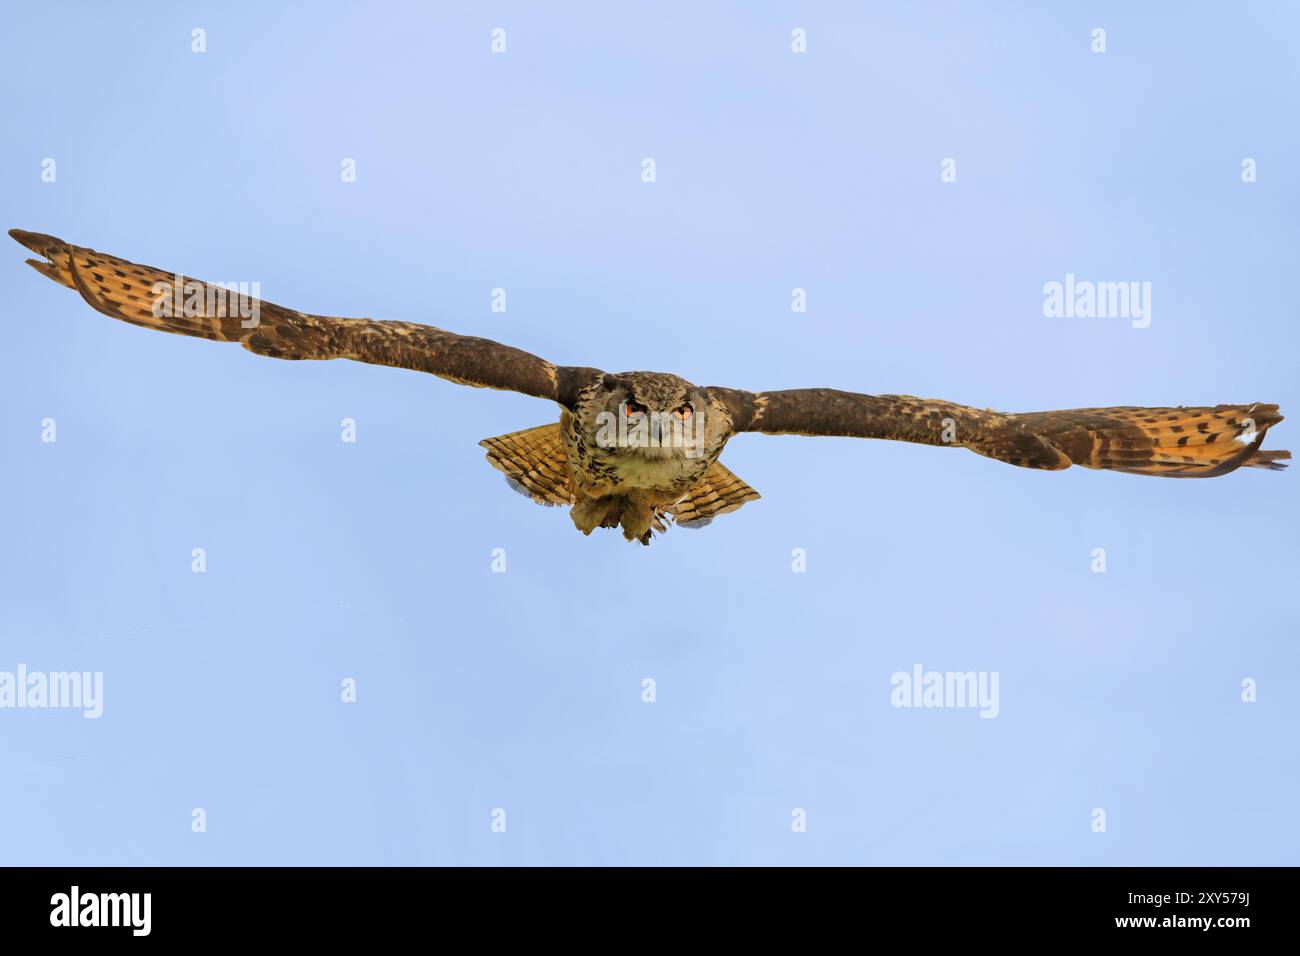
[1175, 442]
[143, 295]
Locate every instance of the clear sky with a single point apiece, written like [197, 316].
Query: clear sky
[523, 691]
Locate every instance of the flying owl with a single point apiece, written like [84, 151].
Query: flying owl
[639, 450]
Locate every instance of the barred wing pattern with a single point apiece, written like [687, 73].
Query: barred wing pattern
[1178, 442]
[125, 291]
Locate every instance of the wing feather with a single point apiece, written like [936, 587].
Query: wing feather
[1200, 442]
[168, 302]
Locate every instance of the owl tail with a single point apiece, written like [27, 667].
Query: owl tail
[534, 463]
[717, 493]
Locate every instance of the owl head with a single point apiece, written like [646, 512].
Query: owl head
[654, 414]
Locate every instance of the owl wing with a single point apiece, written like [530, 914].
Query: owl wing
[155, 299]
[1174, 442]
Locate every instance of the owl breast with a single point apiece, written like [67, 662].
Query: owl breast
[667, 472]
[604, 470]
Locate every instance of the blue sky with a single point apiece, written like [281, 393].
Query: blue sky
[522, 690]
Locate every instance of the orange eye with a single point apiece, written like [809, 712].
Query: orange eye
[633, 410]
[684, 412]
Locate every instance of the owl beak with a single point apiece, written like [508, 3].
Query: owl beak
[661, 429]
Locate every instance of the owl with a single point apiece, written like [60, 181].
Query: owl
[640, 450]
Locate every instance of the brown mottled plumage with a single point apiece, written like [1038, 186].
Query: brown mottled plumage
[635, 485]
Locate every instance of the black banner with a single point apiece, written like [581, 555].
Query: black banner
[207, 905]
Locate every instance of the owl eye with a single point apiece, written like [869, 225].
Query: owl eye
[633, 410]
[683, 412]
